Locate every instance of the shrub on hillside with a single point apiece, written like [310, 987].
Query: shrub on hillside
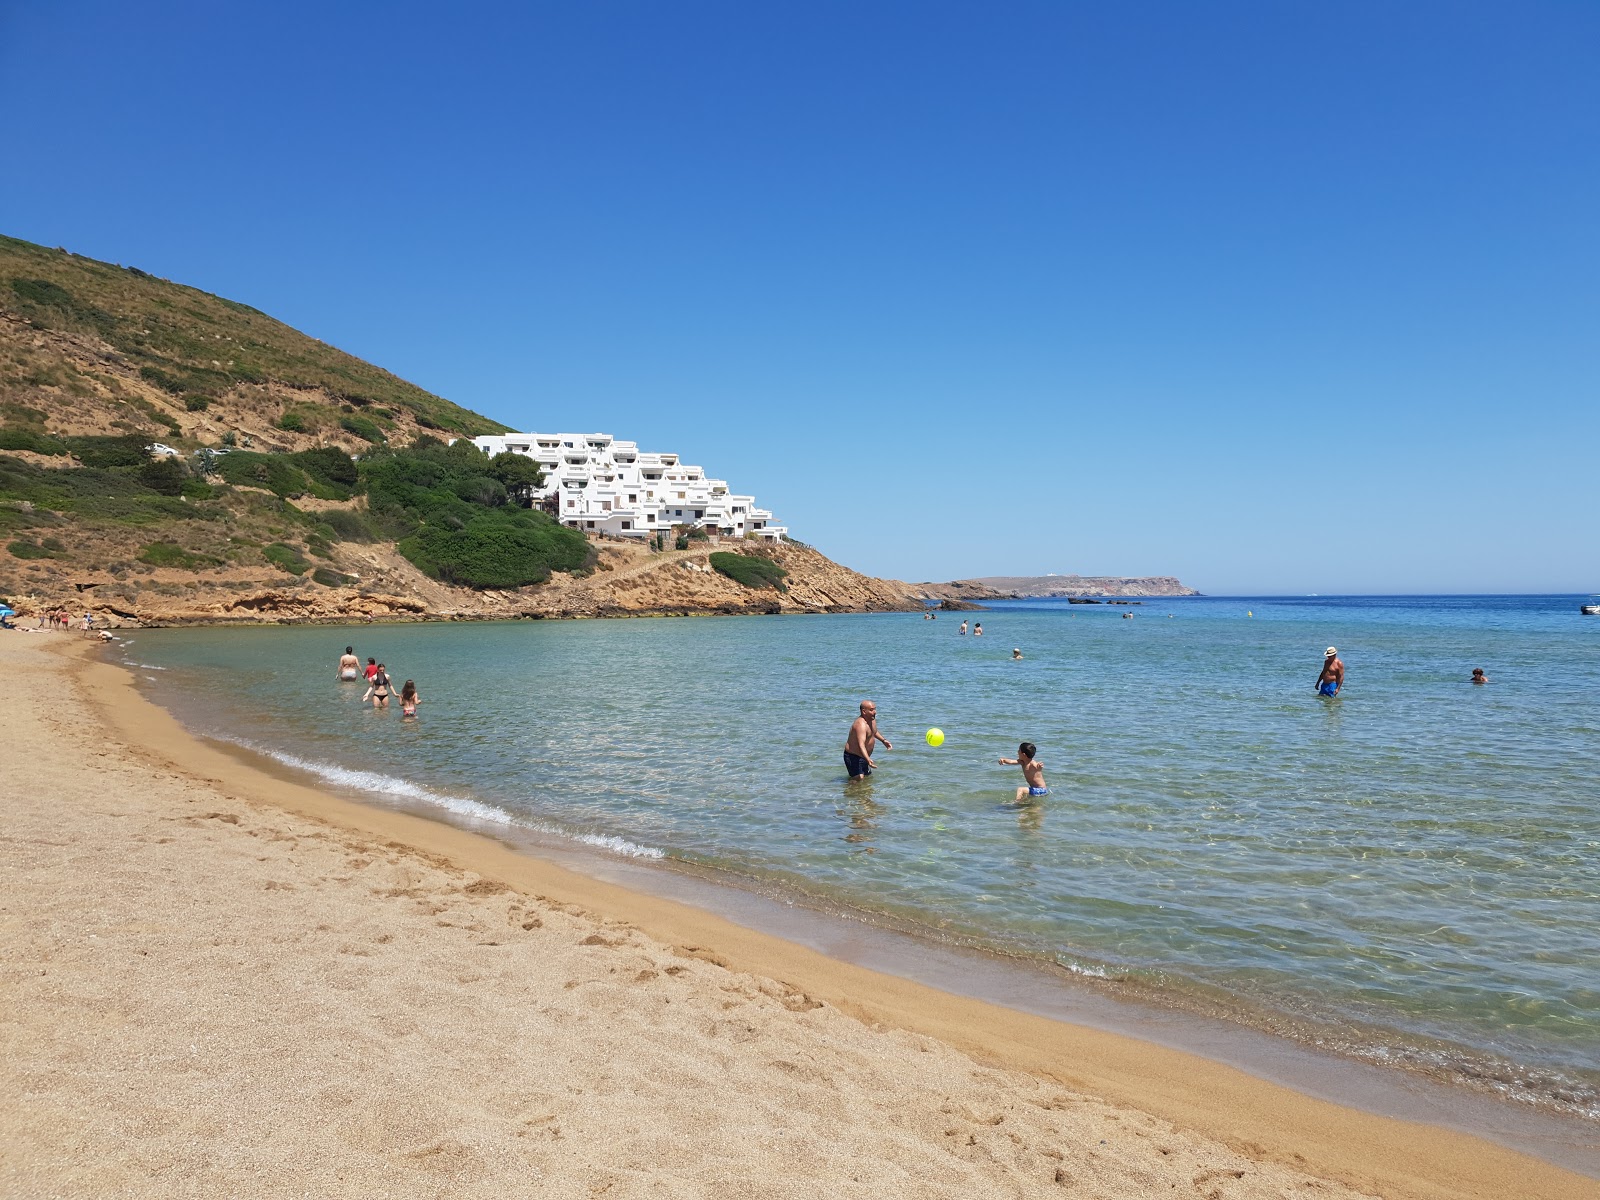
[328, 577]
[196, 402]
[292, 422]
[127, 450]
[12, 438]
[497, 550]
[362, 428]
[21, 549]
[286, 558]
[275, 472]
[348, 526]
[170, 554]
[752, 572]
[163, 475]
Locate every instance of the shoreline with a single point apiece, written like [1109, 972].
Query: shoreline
[1270, 1125]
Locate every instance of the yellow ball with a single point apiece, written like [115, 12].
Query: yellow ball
[935, 737]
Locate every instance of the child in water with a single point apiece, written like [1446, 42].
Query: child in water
[1032, 771]
[409, 699]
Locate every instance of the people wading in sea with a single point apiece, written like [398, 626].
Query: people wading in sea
[409, 699]
[378, 690]
[858, 745]
[349, 665]
[1332, 677]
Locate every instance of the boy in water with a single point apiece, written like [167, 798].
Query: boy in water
[1032, 771]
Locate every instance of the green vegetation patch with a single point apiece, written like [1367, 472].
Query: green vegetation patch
[328, 577]
[275, 472]
[50, 548]
[749, 570]
[170, 554]
[14, 438]
[363, 428]
[286, 558]
[454, 516]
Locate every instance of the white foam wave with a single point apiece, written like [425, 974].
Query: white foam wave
[620, 846]
[389, 785]
[149, 667]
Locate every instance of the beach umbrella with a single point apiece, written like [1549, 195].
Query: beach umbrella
[7, 611]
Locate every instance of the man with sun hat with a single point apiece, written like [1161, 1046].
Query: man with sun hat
[1332, 677]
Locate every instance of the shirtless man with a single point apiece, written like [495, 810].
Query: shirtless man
[1032, 771]
[349, 665]
[858, 746]
[1332, 677]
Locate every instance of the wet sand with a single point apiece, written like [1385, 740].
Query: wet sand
[219, 982]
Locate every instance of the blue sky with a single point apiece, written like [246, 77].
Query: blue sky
[1275, 297]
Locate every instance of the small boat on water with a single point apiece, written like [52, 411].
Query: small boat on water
[1590, 610]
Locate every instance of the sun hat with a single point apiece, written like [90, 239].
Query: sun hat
[1329, 652]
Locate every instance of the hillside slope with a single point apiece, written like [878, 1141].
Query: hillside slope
[97, 360]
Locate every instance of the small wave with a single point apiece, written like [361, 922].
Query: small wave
[1084, 969]
[620, 846]
[390, 785]
[149, 667]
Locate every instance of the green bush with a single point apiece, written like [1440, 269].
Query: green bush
[749, 570]
[292, 422]
[12, 438]
[127, 450]
[195, 402]
[328, 577]
[348, 526]
[329, 465]
[362, 428]
[286, 558]
[169, 554]
[30, 550]
[197, 489]
[275, 472]
[507, 549]
[164, 475]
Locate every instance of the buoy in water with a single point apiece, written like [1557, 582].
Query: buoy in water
[934, 737]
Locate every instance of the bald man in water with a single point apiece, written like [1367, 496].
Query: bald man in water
[858, 746]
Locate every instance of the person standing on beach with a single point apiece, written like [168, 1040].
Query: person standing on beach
[349, 665]
[1332, 677]
[858, 745]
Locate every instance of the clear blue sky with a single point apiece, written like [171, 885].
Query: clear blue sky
[1272, 296]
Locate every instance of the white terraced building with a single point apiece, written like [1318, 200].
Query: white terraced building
[595, 483]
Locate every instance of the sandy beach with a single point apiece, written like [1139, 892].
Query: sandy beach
[220, 983]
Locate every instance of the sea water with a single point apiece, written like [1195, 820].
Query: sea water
[1408, 873]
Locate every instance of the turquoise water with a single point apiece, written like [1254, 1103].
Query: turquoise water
[1407, 873]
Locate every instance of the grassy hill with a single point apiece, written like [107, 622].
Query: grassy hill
[305, 477]
[87, 343]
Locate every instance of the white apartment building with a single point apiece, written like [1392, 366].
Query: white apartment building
[597, 484]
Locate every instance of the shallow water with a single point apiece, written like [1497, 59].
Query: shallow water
[1407, 873]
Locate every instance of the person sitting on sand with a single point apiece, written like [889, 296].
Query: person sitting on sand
[1478, 676]
[1032, 771]
[349, 665]
[409, 699]
[378, 690]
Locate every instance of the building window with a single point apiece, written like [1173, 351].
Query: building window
[627, 524]
[633, 498]
[591, 524]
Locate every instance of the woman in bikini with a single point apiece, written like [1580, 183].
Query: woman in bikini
[409, 699]
[378, 692]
